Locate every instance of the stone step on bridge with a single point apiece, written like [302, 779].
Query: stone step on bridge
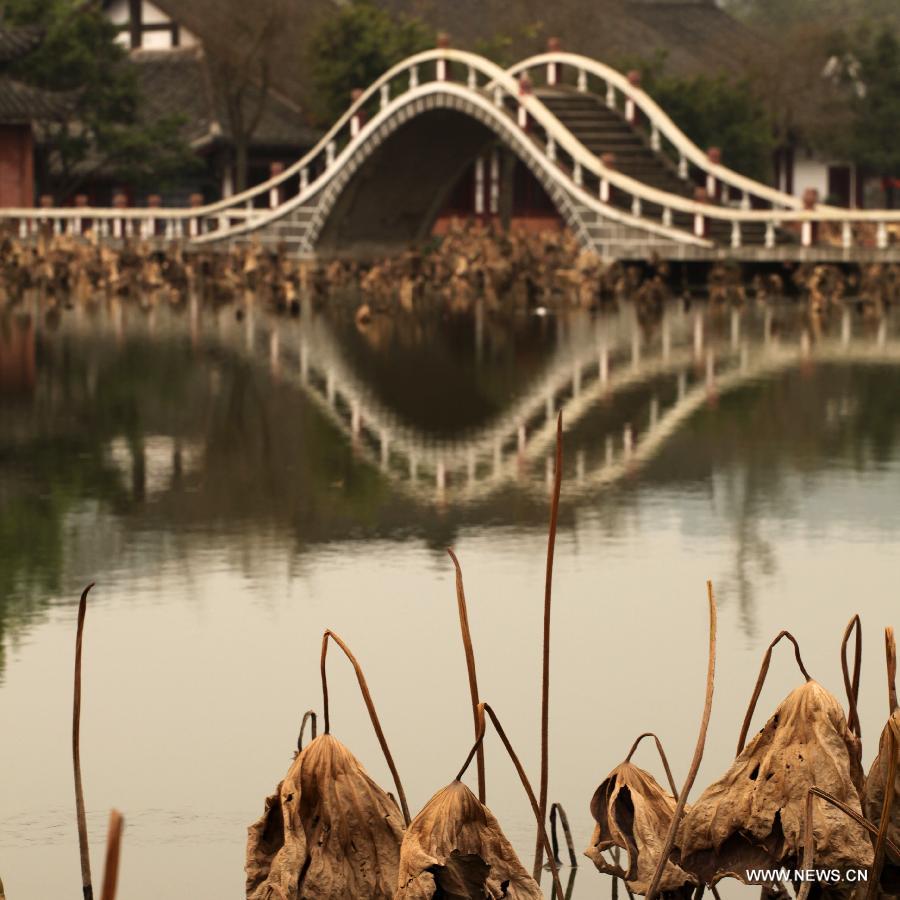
[626, 181]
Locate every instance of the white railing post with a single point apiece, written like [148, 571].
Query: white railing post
[806, 233]
[471, 79]
[329, 154]
[682, 167]
[655, 140]
[551, 149]
[384, 95]
[735, 235]
[498, 96]
[634, 79]
[120, 201]
[154, 202]
[443, 43]
[413, 77]
[78, 225]
[577, 174]
[846, 235]
[275, 169]
[745, 200]
[714, 155]
[356, 120]
[604, 189]
[636, 208]
[23, 229]
[495, 182]
[609, 162]
[770, 235]
[582, 81]
[479, 186]
[610, 95]
[304, 179]
[881, 236]
[667, 217]
[554, 45]
[807, 229]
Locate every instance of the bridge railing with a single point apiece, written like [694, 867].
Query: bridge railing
[550, 69]
[532, 129]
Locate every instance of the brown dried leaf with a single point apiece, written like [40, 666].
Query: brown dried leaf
[454, 848]
[753, 816]
[873, 799]
[328, 833]
[633, 812]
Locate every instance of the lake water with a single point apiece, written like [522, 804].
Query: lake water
[237, 485]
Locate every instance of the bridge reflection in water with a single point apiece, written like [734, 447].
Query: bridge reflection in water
[675, 365]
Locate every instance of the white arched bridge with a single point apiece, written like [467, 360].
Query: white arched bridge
[623, 177]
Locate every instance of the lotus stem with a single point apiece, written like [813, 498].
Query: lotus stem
[83, 847]
[808, 846]
[308, 716]
[2, 892]
[113, 845]
[760, 680]
[890, 652]
[557, 809]
[370, 706]
[893, 733]
[470, 666]
[698, 751]
[852, 689]
[853, 814]
[545, 671]
[484, 708]
[570, 884]
[662, 756]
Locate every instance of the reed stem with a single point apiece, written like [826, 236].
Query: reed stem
[113, 847]
[484, 708]
[545, 671]
[662, 756]
[557, 809]
[698, 751]
[308, 716]
[893, 733]
[852, 688]
[470, 666]
[370, 706]
[890, 652]
[760, 680]
[83, 847]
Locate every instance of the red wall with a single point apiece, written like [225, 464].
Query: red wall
[16, 166]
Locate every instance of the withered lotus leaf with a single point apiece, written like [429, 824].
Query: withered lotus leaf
[328, 833]
[873, 798]
[454, 849]
[632, 811]
[753, 816]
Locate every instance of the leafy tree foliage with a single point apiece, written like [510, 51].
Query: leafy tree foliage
[101, 128]
[354, 47]
[713, 111]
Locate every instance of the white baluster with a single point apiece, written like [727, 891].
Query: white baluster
[699, 225]
[551, 74]
[522, 117]
[604, 189]
[23, 229]
[846, 235]
[179, 228]
[655, 140]
[471, 79]
[413, 77]
[551, 149]
[610, 96]
[441, 70]
[881, 236]
[636, 206]
[667, 217]
[479, 186]
[582, 81]
[495, 182]
[329, 154]
[735, 234]
[770, 235]
[384, 95]
[576, 174]
[498, 96]
[304, 179]
[806, 234]
[745, 200]
[682, 166]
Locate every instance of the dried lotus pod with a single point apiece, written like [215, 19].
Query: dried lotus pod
[633, 812]
[455, 849]
[329, 832]
[754, 815]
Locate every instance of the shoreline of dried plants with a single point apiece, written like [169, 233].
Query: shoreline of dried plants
[330, 832]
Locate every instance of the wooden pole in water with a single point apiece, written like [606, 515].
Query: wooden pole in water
[84, 850]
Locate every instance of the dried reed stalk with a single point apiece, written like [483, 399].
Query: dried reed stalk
[890, 652]
[470, 666]
[308, 716]
[763, 671]
[485, 709]
[370, 706]
[893, 741]
[83, 848]
[545, 671]
[556, 809]
[113, 849]
[852, 687]
[662, 756]
[698, 751]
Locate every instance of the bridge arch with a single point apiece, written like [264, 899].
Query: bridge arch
[392, 189]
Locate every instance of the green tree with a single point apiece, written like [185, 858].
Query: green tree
[713, 111]
[353, 47]
[101, 128]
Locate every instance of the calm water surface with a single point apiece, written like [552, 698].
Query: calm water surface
[237, 486]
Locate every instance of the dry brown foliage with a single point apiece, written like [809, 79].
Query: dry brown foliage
[633, 812]
[328, 832]
[754, 815]
[455, 848]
